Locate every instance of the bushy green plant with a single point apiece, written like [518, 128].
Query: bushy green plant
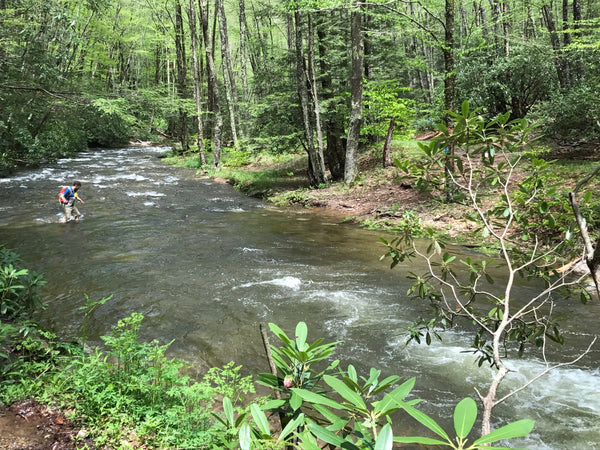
[302, 197]
[19, 287]
[134, 386]
[344, 409]
[570, 115]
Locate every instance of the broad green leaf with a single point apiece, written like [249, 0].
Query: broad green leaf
[260, 419]
[301, 334]
[319, 399]
[512, 430]
[424, 419]
[337, 422]
[268, 379]
[386, 383]
[280, 334]
[464, 108]
[291, 426]
[330, 437]
[228, 409]
[245, 437]
[295, 401]
[396, 396]
[385, 439]
[352, 373]
[352, 384]
[347, 393]
[419, 440]
[307, 440]
[465, 415]
[373, 376]
[273, 404]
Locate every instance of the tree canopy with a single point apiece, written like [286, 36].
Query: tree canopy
[263, 75]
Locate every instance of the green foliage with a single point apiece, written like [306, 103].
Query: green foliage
[384, 102]
[525, 215]
[464, 417]
[571, 115]
[134, 386]
[344, 409]
[236, 158]
[516, 83]
[19, 287]
[300, 196]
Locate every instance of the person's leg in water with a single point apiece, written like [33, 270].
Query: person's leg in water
[76, 213]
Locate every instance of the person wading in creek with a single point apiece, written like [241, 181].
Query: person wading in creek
[67, 197]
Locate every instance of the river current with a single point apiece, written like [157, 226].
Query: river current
[206, 265]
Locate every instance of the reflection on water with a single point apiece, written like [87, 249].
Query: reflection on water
[206, 265]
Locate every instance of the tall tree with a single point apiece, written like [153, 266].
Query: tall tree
[244, 59]
[554, 39]
[316, 163]
[356, 91]
[312, 77]
[228, 76]
[213, 88]
[196, 74]
[181, 76]
[335, 151]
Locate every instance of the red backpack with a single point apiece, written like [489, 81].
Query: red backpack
[62, 192]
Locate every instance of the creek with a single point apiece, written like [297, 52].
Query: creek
[206, 265]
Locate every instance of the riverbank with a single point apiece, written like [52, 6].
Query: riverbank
[381, 199]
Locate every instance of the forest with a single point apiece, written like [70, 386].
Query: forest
[332, 81]
[326, 77]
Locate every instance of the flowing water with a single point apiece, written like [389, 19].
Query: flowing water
[206, 265]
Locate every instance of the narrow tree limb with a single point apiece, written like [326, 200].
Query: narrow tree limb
[592, 251]
[265, 339]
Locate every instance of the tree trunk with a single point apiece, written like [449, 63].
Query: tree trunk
[335, 152]
[449, 89]
[213, 88]
[566, 40]
[196, 74]
[315, 97]
[181, 75]
[244, 60]
[228, 77]
[558, 61]
[316, 165]
[591, 251]
[579, 67]
[356, 100]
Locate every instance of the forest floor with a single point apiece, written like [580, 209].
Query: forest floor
[377, 198]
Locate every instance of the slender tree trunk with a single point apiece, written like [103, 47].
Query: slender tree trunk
[578, 66]
[244, 60]
[591, 250]
[196, 74]
[335, 151]
[312, 76]
[228, 77]
[316, 165]
[213, 88]
[449, 88]
[356, 90]
[555, 41]
[566, 40]
[181, 75]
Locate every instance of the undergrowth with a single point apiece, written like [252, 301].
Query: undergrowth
[127, 390]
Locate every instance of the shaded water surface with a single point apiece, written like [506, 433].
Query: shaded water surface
[206, 265]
